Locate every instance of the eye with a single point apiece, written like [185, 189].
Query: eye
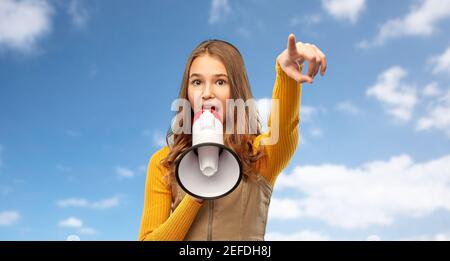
[221, 82]
[196, 82]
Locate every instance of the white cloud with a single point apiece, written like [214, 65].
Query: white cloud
[441, 63]
[438, 115]
[8, 218]
[431, 90]
[434, 237]
[305, 235]
[316, 132]
[307, 112]
[284, 208]
[421, 20]
[5, 190]
[302, 20]
[87, 231]
[157, 137]
[244, 32]
[373, 238]
[72, 133]
[78, 13]
[22, 23]
[397, 97]
[73, 238]
[105, 203]
[73, 202]
[344, 9]
[81, 202]
[71, 222]
[63, 168]
[123, 172]
[220, 9]
[375, 193]
[347, 107]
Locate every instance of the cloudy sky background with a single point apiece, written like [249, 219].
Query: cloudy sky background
[86, 89]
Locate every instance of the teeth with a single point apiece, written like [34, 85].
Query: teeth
[207, 107]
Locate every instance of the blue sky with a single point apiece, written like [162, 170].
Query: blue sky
[86, 89]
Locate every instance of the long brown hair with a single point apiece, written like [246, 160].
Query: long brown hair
[240, 89]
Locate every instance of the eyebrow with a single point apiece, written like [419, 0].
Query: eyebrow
[199, 75]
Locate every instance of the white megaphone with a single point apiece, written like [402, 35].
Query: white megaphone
[208, 169]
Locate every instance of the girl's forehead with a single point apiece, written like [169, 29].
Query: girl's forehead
[207, 65]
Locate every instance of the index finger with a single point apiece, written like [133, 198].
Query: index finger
[292, 48]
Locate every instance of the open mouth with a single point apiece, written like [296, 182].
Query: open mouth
[215, 110]
[209, 107]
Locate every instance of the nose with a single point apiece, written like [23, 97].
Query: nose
[207, 92]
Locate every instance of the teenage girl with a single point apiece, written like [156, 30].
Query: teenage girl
[215, 72]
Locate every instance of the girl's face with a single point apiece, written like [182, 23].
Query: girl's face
[208, 84]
